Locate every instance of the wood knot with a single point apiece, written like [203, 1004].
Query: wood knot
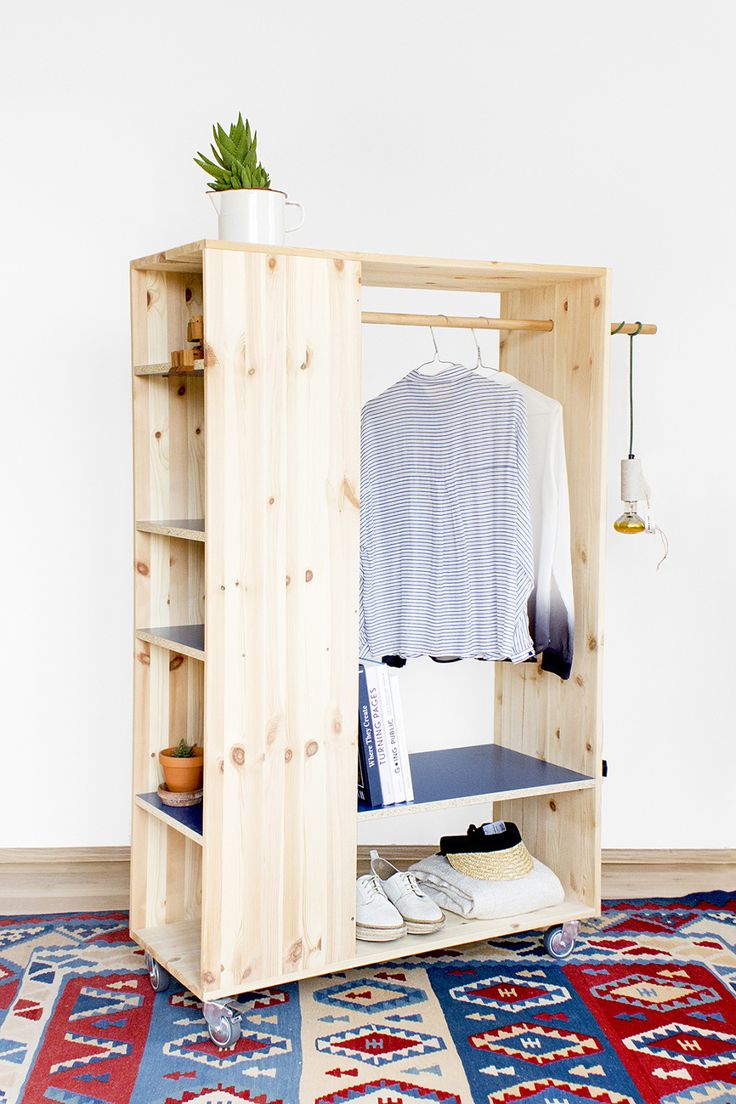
[175, 662]
[307, 360]
[141, 568]
[339, 264]
[579, 680]
[337, 724]
[557, 733]
[181, 390]
[295, 952]
[553, 805]
[238, 755]
[271, 500]
[311, 748]
[187, 295]
[198, 430]
[583, 555]
[597, 301]
[272, 729]
[308, 575]
[149, 300]
[588, 747]
[576, 367]
[349, 491]
[221, 765]
[592, 643]
[144, 658]
[157, 435]
[565, 305]
[246, 973]
[251, 371]
[288, 579]
[272, 262]
[288, 755]
[208, 977]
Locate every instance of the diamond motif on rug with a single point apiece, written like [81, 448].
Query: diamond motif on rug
[509, 994]
[697, 1046]
[713, 1092]
[251, 1046]
[550, 1090]
[645, 991]
[379, 1044]
[369, 995]
[388, 1092]
[535, 1043]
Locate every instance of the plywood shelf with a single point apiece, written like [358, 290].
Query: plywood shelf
[187, 820]
[480, 773]
[177, 946]
[184, 528]
[186, 639]
[165, 370]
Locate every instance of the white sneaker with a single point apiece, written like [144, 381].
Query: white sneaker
[376, 919]
[421, 914]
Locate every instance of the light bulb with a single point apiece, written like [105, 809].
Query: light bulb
[629, 522]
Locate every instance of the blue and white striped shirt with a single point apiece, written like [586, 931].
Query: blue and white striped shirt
[446, 551]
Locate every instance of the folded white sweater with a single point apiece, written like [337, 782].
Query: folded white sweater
[487, 900]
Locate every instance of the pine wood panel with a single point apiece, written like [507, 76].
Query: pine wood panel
[384, 269]
[536, 712]
[282, 377]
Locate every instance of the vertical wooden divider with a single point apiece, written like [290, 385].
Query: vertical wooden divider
[282, 417]
[536, 712]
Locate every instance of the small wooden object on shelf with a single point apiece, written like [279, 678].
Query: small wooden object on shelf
[184, 360]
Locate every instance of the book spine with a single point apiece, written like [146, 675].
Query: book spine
[362, 790]
[379, 732]
[401, 735]
[394, 756]
[371, 772]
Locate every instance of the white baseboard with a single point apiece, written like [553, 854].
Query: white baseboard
[92, 878]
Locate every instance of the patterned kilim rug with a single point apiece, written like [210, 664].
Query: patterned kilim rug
[645, 1010]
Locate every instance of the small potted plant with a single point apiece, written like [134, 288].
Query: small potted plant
[248, 208]
[183, 767]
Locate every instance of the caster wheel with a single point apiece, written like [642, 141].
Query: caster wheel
[223, 1025]
[160, 979]
[560, 941]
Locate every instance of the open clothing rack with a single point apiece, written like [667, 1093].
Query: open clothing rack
[246, 575]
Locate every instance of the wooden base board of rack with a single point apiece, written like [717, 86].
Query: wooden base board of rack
[177, 946]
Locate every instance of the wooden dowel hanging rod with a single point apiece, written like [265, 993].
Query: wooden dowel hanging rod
[376, 318]
[461, 322]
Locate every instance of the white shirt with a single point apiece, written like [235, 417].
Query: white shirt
[551, 607]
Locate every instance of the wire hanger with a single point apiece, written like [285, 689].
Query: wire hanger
[437, 360]
[479, 359]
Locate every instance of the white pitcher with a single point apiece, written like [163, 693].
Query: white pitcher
[254, 215]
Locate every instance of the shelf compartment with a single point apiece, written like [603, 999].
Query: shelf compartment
[183, 528]
[177, 946]
[187, 639]
[164, 371]
[475, 774]
[187, 820]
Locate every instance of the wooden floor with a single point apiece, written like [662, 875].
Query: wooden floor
[81, 879]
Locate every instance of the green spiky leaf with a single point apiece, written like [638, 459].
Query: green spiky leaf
[235, 161]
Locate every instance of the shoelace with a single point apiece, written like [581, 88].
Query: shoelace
[410, 880]
[369, 883]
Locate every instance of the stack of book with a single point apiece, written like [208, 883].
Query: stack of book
[384, 774]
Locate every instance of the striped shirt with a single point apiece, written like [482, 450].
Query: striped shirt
[446, 551]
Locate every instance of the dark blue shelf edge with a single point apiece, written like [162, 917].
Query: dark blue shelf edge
[190, 816]
[456, 774]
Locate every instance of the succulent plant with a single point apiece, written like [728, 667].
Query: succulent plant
[183, 750]
[236, 163]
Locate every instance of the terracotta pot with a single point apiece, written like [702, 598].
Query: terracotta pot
[182, 775]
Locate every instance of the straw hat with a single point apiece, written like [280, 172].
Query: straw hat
[493, 852]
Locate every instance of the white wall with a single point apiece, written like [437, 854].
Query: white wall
[572, 133]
